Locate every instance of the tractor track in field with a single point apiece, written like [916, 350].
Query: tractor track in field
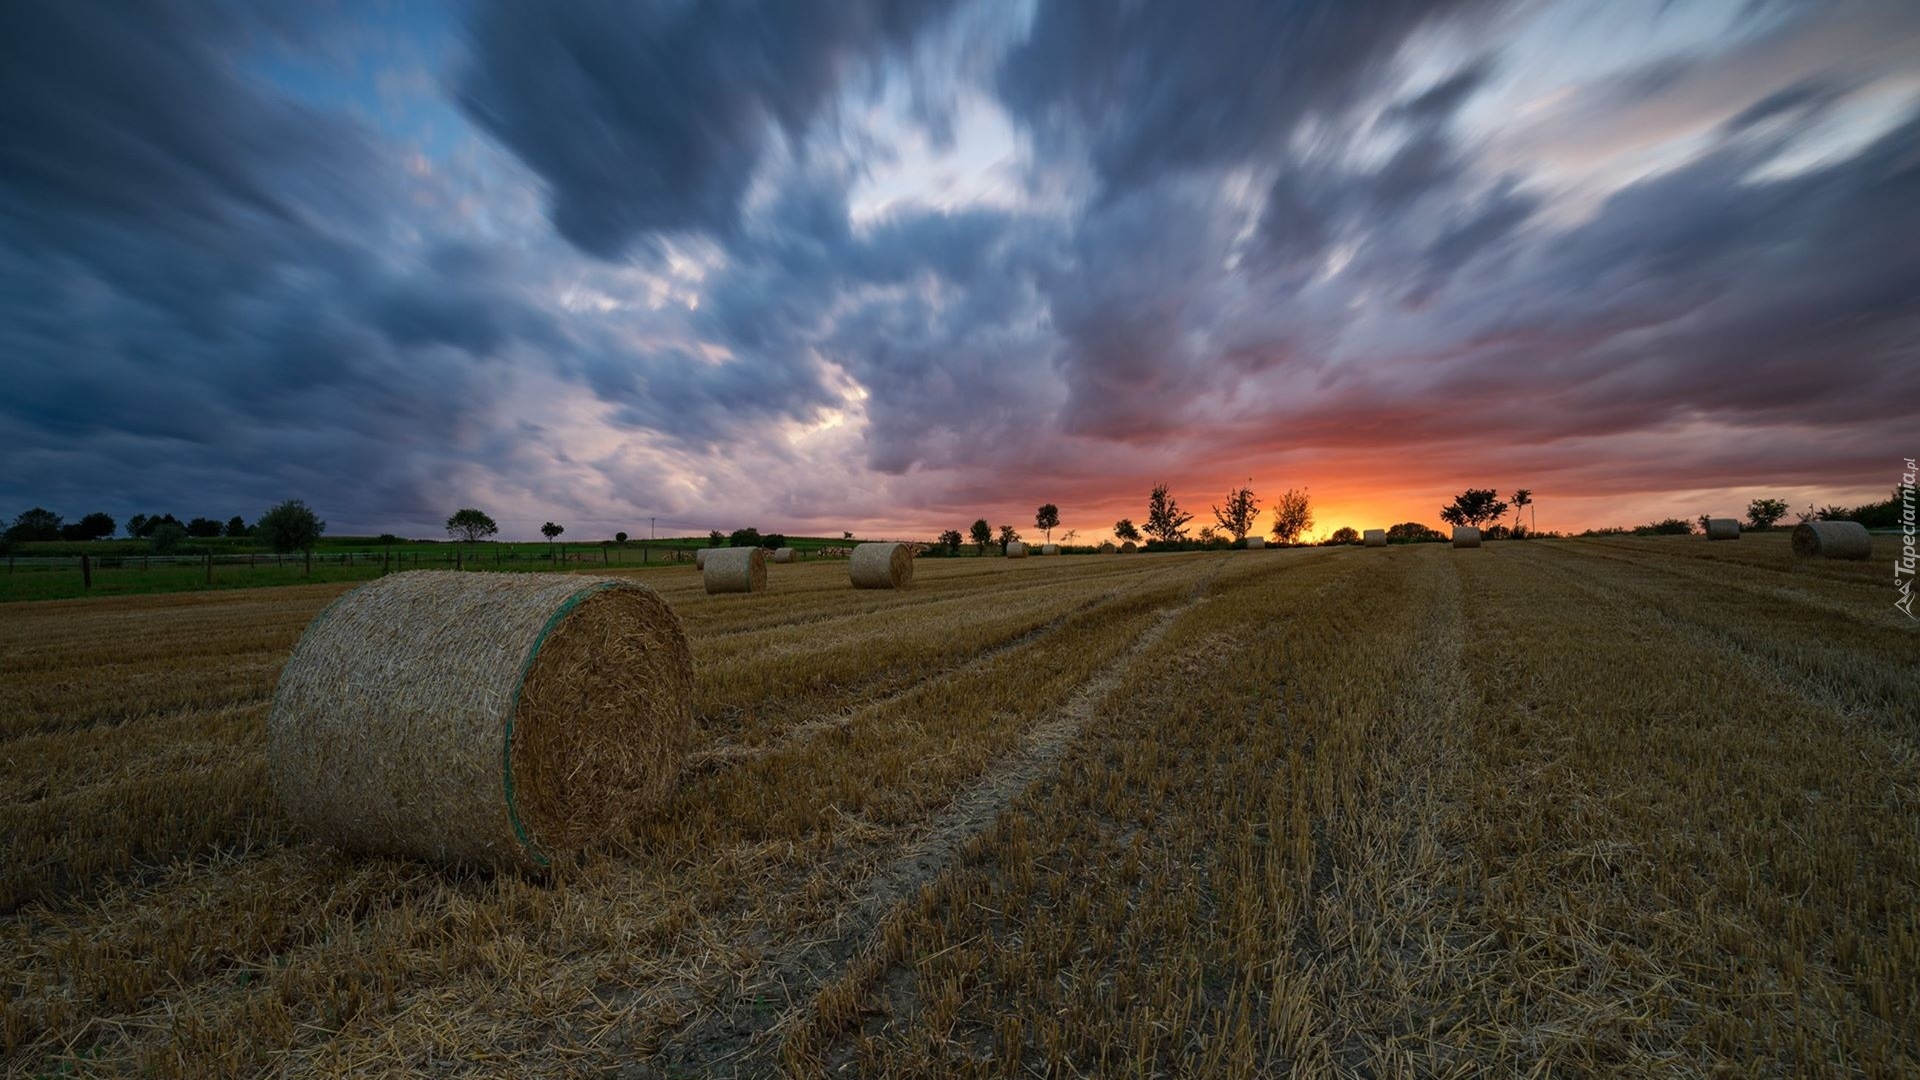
[744, 1040]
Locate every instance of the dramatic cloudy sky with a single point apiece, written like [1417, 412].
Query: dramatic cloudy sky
[891, 266]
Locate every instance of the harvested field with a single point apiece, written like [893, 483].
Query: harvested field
[1621, 806]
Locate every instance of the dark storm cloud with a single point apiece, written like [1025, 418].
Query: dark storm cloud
[652, 117]
[1158, 88]
[200, 306]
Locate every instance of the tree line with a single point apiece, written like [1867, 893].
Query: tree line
[288, 527]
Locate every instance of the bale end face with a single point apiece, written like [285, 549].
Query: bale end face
[735, 570]
[1376, 538]
[881, 566]
[1832, 540]
[1465, 536]
[1723, 529]
[481, 718]
[1129, 548]
[1255, 543]
[1107, 549]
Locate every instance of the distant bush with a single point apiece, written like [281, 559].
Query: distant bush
[1345, 534]
[1672, 526]
[166, 537]
[1412, 532]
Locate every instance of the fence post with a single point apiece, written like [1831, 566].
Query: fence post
[456, 560]
[209, 567]
[605, 559]
[309, 562]
[86, 571]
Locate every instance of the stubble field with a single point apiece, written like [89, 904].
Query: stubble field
[1640, 807]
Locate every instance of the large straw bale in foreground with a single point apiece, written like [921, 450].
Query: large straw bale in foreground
[481, 718]
[1723, 529]
[1049, 549]
[783, 555]
[1466, 536]
[1016, 550]
[741, 569]
[881, 566]
[1832, 540]
[1376, 538]
[1255, 543]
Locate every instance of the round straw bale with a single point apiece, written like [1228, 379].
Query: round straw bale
[1107, 548]
[881, 566]
[1832, 540]
[1129, 548]
[1376, 538]
[1254, 543]
[1466, 536]
[736, 569]
[1049, 549]
[782, 554]
[501, 719]
[1016, 550]
[700, 557]
[1723, 529]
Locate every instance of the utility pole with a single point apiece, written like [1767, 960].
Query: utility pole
[650, 535]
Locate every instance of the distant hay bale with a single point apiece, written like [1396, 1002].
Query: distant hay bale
[1465, 536]
[1376, 538]
[1723, 529]
[1107, 548]
[1832, 540]
[736, 569]
[1016, 550]
[500, 719]
[1050, 549]
[881, 566]
[782, 554]
[1254, 543]
[1129, 548]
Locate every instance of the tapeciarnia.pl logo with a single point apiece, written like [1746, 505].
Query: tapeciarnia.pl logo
[1904, 565]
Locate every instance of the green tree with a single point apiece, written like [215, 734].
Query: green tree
[166, 537]
[982, 534]
[203, 528]
[1008, 535]
[1522, 499]
[1241, 510]
[1047, 518]
[1166, 522]
[1345, 534]
[1762, 513]
[715, 537]
[619, 538]
[136, 526]
[94, 526]
[748, 537]
[236, 526]
[951, 540]
[471, 525]
[38, 523]
[290, 526]
[1474, 508]
[1125, 530]
[1292, 516]
[774, 541]
[1412, 532]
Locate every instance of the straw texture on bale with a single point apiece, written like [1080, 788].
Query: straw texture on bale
[700, 557]
[1129, 548]
[1832, 540]
[497, 719]
[881, 566]
[783, 555]
[1016, 550]
[1107, 548]
[1466, 536]
[741, 569]
[1376, 538]
[1256, 542]
[1723, 529]
[1049, 549]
